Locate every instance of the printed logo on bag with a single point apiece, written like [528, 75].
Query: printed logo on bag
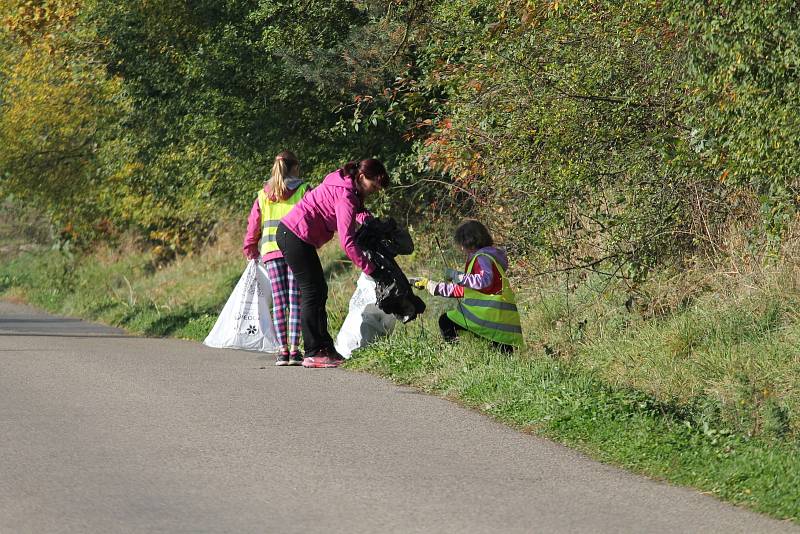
[252, 287]
[247, 317]
[252, 330]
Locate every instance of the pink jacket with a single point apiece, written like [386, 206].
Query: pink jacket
[253, 236]
[332, 206]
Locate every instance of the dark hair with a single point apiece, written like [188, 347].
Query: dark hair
[373, 169]
[473, 235]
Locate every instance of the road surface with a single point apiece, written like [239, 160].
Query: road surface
[103, 432]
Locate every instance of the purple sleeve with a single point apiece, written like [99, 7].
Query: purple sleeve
[449, 290]
[346, 221]
[477, 281]
[253, 235]
[480, 280]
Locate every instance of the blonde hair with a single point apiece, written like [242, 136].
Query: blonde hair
[276, 185]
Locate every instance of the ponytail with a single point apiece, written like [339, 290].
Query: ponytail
[284, 163]
[351, 169]
[373, 169]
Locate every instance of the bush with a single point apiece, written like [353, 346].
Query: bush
[743, 98]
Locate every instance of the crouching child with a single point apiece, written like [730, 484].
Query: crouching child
[487, 306]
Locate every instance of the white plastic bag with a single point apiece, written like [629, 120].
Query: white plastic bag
[364, 321]
[245, 321]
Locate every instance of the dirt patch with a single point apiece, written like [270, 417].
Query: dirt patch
[15, 296]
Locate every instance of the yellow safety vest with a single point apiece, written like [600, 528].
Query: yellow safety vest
[271, 215]
[494, 317]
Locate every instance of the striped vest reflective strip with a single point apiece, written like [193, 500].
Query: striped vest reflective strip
[271, 215]
[494, 317]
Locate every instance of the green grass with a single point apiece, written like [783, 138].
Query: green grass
[125, 288]
[703, 394]
[734, 349]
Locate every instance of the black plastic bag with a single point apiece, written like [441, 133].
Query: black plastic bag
[382, 240]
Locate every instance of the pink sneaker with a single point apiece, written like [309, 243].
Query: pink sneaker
[325, 358]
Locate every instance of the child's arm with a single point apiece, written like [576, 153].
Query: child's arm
[481, 278]
[445, 289]
[253, 235]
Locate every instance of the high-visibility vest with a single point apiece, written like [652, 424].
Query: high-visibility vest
[494, 317]
[271, 215]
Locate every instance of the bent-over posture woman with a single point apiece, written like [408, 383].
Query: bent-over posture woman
[336, 205]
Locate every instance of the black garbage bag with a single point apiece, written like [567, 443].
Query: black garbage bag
[382, 240]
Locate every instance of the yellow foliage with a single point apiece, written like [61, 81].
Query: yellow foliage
[56, 103]
[52, 112]
[26, 21]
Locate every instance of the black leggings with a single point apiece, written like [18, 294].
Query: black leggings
[307, 269]
[449, 331]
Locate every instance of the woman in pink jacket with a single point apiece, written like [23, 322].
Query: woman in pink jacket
[336, 205]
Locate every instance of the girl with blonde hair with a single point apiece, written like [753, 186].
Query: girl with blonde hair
[280, 193]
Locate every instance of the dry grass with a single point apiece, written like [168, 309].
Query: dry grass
[722, 333]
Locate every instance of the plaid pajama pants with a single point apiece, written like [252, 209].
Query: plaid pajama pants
[285, 303]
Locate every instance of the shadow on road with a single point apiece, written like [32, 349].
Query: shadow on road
[39, 321]
[42, 334]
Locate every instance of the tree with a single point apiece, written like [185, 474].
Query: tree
[57, 107]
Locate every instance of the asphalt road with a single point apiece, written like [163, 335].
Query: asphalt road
[102, 432]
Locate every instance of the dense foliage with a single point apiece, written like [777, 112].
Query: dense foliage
[57, 106]
[604, 135]
[557, 123]
[743, 97]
